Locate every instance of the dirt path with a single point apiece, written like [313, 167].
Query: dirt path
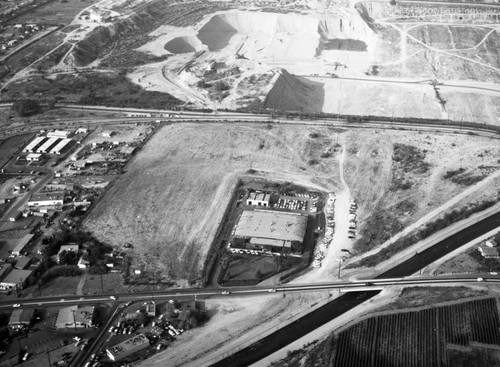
[79, 288]
[330, 264]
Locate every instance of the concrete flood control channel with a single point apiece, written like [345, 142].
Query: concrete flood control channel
[342, 304]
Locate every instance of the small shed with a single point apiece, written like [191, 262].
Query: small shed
[107, 133]
[491, 243]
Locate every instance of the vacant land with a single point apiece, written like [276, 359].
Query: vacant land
[55, 12]
[399, 177]
[109, 89]
[172, 199]
[12, 145]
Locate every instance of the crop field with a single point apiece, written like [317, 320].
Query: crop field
[429, 337]
[171, 201]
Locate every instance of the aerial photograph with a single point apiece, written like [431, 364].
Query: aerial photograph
[267, 183]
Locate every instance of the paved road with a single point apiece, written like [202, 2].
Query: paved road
[190, 293]
[22, 200]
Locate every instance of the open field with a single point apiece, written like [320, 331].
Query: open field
[12, 145]
[396, 189]
[55, 12]
[171, 200]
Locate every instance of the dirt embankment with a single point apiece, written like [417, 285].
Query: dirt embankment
[291, 93]
[100, 39]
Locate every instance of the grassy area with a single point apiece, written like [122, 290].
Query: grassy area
[111, 283]
[10, 146]
[92, 89]
[33, 52]
[418, 297]
[422, 233]
[58, 287]
[407, 160]
[55, 12]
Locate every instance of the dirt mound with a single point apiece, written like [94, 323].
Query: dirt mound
[182, 45]
[290, 93]
[344, 33]
[262, 32]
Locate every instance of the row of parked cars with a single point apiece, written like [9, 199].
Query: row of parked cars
[323, 245]
[352, 219]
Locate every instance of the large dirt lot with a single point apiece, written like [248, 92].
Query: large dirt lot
[171, 200]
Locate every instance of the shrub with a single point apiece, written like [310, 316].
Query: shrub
[26, 107]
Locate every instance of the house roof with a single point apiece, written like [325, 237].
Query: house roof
[489, 251]
[271, 224]
[72, 247]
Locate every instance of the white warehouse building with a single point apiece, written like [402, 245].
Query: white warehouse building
[47, 145]
[47, 199]
[35, 143]
[60, 146]
[62, 134]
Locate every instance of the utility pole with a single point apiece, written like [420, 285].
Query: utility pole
[102, 287]
[340, 261]
[48, 356]
[74, 318]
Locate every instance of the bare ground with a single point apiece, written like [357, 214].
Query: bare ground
[171, 201]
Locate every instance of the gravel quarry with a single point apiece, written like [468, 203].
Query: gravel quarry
[337, 60]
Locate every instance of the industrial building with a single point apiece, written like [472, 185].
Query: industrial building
[21, 244]
[61, 134]
[258, 199]
[76, 316]
[21, 318]
[34, 157]
[16, 279]
[22, 262]
[46, 146]
[266, 231]
[34, 144]
[47, 199]
[127, 347]
[60, 147]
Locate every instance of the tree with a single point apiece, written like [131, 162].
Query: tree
[26, 107]
[68, 258]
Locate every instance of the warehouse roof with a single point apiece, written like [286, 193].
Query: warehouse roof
[16, 276]
[79, 314]
[47, 196]
[272, 224]
[21, 316]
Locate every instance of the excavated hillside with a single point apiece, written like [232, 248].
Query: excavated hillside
[99, 40]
